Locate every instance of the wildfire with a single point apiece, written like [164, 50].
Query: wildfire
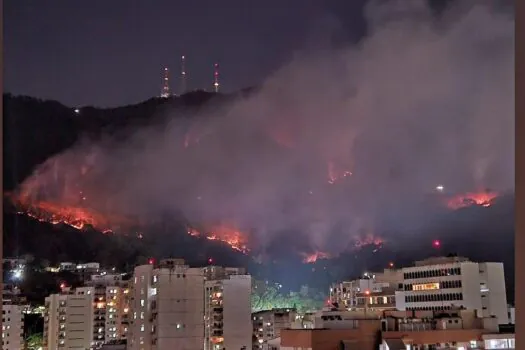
[483, 198]
[313, 257]
[368, 240]
[236, 239]
[76, 217]
[334, 175]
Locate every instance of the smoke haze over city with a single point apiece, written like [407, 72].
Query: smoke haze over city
[338, 143]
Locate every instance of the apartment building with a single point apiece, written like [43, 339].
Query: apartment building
[372, 291]
[267, 326]
[89, 316]
[69, 320]
[227, 308]
[445, 283]
[112, 308]
[168, 307]
[12, 326]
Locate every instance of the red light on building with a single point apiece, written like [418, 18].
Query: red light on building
[436, 243]
[210, 261]
[151, 261]
[391, 265]
[367, 292]
[62, 285]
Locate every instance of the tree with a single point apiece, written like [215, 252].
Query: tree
[34, 341]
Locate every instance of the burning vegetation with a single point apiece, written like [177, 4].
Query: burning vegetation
[481, 198]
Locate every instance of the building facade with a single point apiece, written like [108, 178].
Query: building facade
[112, 307]
[12, 326]
[227, 308]
[372, 291]
[455, 282]
[168, 307]
[268, 324]
[69, 320]
[89, 316]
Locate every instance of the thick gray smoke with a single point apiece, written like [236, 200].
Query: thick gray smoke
[419, 102]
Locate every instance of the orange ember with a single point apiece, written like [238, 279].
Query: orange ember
[484, 199]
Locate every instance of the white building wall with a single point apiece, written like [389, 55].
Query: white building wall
[495, 298]
[139, 336]
[180, 308]
[12, 327]
[237, 312]
[69, 320]
[482, 288]
[79, 320]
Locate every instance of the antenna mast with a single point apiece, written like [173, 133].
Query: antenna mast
[216, 84]
[165, 92]
[183, 75]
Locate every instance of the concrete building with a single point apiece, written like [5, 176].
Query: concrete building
[227, 308]
[448, 282]
[12, 326]
[452, 329]
[69, 320]
[168, 307]
[112, 308]
[267, 326]
[373, 291]
[334, 330]
[89, 316]
[397, 330]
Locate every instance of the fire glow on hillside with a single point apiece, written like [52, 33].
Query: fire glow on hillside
[482, 198]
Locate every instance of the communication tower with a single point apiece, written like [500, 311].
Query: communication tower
[216, 84]
[183, 86]
[165, 92]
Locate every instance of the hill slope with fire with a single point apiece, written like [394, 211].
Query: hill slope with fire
[40, 215]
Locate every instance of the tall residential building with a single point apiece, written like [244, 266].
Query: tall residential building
[227, 308]
[12, 326]
[69, 320]
[168, 307]
[267, 326]
[448, 282]
[112, 307]
[86, 317]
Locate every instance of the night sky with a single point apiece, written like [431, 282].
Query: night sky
[110, 53]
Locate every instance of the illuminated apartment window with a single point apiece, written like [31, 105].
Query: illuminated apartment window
[142, 302]
[142, 328]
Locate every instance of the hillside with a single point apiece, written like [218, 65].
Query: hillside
[36, 130]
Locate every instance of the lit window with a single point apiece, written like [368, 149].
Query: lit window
[142, 315]
[142, 302]
[142, 328]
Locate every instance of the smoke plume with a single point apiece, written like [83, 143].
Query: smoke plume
[336, 143]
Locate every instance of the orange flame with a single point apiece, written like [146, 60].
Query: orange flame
[483, 198]
[313, 257]
[236, 239]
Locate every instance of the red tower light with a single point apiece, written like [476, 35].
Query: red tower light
[151, 261]
[436, 243]
[210, 261]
